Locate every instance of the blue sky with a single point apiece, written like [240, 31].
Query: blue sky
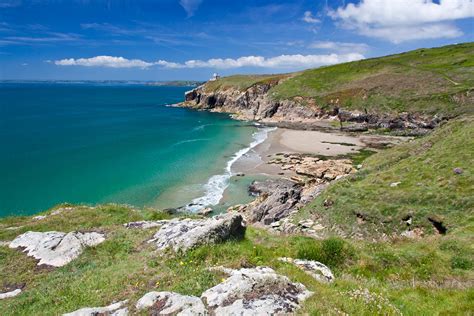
[191, 39]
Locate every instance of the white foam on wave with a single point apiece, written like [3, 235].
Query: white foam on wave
[217, 184]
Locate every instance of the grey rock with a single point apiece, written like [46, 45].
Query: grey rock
[115, 309]
[316, 269]
[185, 234]
[56, 248]
[256, 291]
[145, 224]
[169, 303]
[276, 199]
[10, 294]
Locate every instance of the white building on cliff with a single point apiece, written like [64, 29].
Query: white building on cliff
[215, 77]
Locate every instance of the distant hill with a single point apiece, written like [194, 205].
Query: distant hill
[426, 81]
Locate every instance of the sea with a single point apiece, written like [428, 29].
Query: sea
[91, 143]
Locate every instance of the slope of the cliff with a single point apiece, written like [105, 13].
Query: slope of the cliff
[409, 90]
[421, 187]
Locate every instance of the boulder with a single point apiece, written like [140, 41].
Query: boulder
[185, 234]
[56, 248]
[115, 309]
[276, 199]
[256, 291]
[325, 169]
[145, 224]
[169, 303]
[315, 269]
[10, 294]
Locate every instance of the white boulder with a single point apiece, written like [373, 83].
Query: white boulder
[256, 291]
[10, 294]
[115, 309]
[185, 234]
[56, 248]
[169, 303]
[315, 269]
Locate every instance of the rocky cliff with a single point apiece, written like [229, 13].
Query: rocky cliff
[256, 104]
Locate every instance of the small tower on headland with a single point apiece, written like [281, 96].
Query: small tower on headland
[215, 77]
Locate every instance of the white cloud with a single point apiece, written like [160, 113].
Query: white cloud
[190, 6]
[104, 61]
[405, 20]
[340, 46]
[282, 61]
[309, 18]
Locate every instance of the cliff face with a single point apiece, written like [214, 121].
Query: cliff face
[256, 104]
[251, 104]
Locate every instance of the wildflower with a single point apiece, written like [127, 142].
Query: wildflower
[181, 263]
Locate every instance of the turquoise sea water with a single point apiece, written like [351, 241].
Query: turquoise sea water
[93, 143]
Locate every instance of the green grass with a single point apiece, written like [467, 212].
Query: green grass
[415, 278]
[241, 82]
[429, 188]
[430, 81]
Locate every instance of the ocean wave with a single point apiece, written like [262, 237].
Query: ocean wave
[190, 141]
[217, 184]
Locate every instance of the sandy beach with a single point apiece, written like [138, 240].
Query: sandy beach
[284, 140]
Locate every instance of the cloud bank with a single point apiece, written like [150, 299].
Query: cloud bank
[404, 20]
[104, 61]
[282, 61]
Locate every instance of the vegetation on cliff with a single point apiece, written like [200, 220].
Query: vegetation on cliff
[426, 81]
[425, 182]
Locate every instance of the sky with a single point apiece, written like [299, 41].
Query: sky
[192, 39]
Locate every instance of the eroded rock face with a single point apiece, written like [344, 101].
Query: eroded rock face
[256, 291]
[169, 303]
[254, 103]
[315, 269]
[185, 234]
[115, 309]
[56, 248]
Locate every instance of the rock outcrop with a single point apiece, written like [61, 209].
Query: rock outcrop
[170, 303]
[255, 103]
[256, 291]
[185, 234]
[10, 294]
[56, 248]
[116, 309]
[277, 199]
[314, 167]
[315, 269]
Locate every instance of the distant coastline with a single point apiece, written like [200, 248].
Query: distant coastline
[174, 83]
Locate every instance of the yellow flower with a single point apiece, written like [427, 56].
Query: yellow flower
[181, 263]
[222, 280]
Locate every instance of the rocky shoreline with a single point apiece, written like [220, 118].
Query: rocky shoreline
[255, 104]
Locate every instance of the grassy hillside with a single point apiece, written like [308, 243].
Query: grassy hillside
[430, 81]
[428, 188]
[427, 277]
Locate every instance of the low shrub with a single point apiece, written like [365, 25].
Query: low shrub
[333, 252]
